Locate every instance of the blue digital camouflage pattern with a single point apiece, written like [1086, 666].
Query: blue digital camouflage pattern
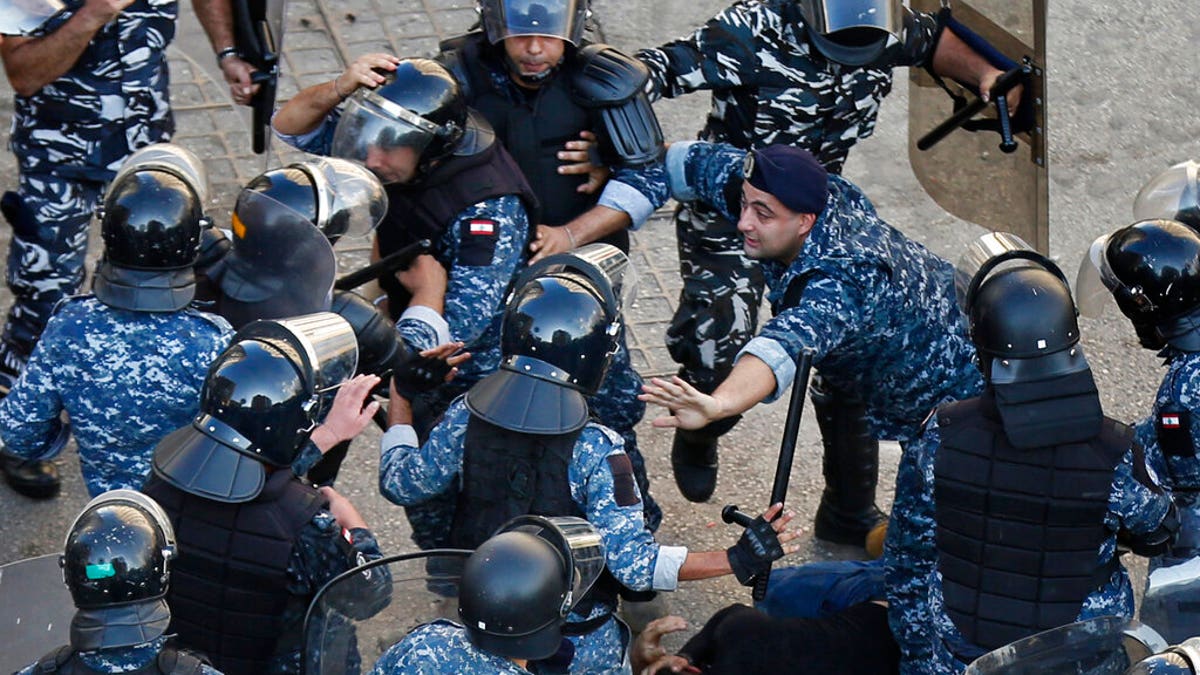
[409, 475]
[126, 379]
[913, 582]
[441, 647]
[121, 659]
[878, 310]
[769, 86]
[69, 138]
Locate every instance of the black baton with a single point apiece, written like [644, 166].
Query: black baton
[390, 264]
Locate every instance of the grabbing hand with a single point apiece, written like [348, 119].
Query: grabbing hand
[761, 544]
[429, 369]
[577, 159]
[689, 408]
[647, 650]
[1013, 98]
[550, 240]
[348, 416]
[238, 74]
[362, 73]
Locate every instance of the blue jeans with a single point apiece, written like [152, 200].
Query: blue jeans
[817, 590]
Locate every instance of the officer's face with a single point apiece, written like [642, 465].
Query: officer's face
[393, 165]
[771, 230]
[533, 55]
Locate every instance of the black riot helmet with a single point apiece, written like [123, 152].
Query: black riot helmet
[337, 196]
[562, 19]
[1152, 270]
[380, 348]
[416, 117]
[1173, 194]
[260, 401]
[560, 330]
[150, 222]
[518, 587]
[115, 563]
[1181, 659]
[853, 32]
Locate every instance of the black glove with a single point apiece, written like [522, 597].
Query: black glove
[419, 374]
[754, 552]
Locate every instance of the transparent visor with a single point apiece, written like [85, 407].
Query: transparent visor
[325, 340]
[1097, 646]
[173, 159]
[351, 199]
[378, 133]
[563, 19]
[1095, 283]
[133, 498]
[1173, 194]
[832, 16]
[604, 265]
[19, 17]
[575, 536]
[981, 252]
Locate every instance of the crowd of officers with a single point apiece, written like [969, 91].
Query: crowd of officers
[501, 178]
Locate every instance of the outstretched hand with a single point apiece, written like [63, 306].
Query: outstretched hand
[761, 544]
[647, 651]
[350, 413]
[689, 407]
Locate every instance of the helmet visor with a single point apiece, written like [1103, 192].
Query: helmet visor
[563, 19]
[576, 540]
[324, 340]
[828, 17]
[351, 200]
[605, 266]
[173, 159]
[978, 254]
[19, 17]
[388, 138]
[1096, 283]
[1173, 194]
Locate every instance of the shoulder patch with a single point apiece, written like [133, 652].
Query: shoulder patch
[477, 243]
[624, 488]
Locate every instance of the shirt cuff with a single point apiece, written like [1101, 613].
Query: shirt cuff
[399, 434]
[430, 318]
[778, 360]
[299, 141]
[623, 197]
[677, 171]
[666, 568]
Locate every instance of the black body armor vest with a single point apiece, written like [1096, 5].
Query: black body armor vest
[170, 661]
[533, 131]
[1018, 530]
[229, 586]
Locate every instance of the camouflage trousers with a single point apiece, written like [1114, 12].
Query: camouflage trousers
[49, 217]
[721, 296]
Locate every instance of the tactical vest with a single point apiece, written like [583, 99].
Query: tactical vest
[1018, 530]
[229, 586]
[533, 131]
[170, 661]
[506, 474]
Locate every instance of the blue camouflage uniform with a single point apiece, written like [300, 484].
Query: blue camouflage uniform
[769, 86]
[877, 308]
[408, 474]
[69, 138]
[1178, 396]
[121, 659]
[919, 623]
[442, 647]
[125, 378]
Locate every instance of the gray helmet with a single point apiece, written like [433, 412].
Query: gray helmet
[853, 32]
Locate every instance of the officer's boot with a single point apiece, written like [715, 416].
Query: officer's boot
[694, 458]
[851, 467]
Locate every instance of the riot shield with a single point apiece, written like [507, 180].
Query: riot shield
[1172, 601]
[1106, 645]
[358, 615]
[967, 172]
[35, 611]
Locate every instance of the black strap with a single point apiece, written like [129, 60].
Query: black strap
[51, 662]
[577, 628]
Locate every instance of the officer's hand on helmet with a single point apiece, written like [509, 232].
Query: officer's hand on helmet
[237, 74]
[580, 157]
[428, 370]
[689, 407]
[425, 279]
[101, 12]
[988, 80]
[363, 73]
[349, 414]
[343, 511]
[548, 241]
[761, 544]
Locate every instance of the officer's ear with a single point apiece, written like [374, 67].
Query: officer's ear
[806, 221]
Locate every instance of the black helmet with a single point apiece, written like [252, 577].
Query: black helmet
[1173, 194]
[419, 114]
[1181, 659]
[563, 19]
[260, 401]
[380, 348]
[518, 587]
[1152, 269]
[560, 330]
[336, 195]
[115, 564]
[853, 32]
[150, 222]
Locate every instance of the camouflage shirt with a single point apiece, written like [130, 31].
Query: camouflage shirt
[126, 379]
[915, 603]
[441, 647]
[111, 102]
[877, 308]
[770, 85]
[121, 659]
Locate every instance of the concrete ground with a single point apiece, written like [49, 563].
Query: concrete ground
[1122, 106]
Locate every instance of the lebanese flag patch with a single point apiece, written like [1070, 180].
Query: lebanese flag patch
[347, 536]
[486, 228]
[1169, 420]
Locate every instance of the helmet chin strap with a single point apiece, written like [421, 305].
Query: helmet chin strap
[535, 80]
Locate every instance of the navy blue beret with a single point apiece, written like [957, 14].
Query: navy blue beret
[791, 175]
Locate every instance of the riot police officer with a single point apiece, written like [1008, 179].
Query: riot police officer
[1152, 269]
[514, 596]
[520, 441]
[811, 75]
[116, 562]
[1008, 505]
[94, 358]
[256, 542]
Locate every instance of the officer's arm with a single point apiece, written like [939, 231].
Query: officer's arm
[955, 59]
[489, 241]
[33, 62]
[718, 55]
[709, 173]
[409, 474]
[1147, 515]
[216, 16]
[29, 415]
[308, 109]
